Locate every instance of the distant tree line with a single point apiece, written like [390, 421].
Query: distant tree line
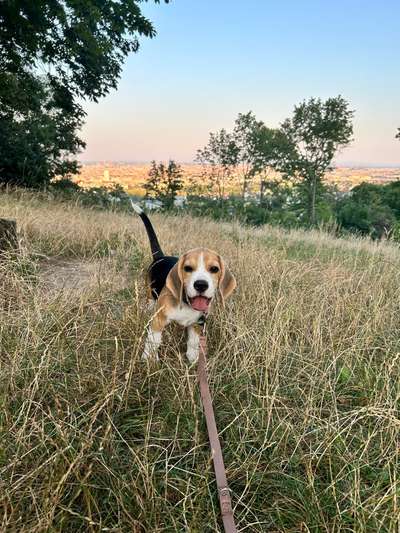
[300, 152]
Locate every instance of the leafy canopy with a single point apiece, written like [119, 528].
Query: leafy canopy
[53, 55]
[253, 141]
[244, 153]
[315, 132]
[370, 209]
[81, 43]
[219, 160]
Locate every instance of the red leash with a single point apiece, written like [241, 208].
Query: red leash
[219, 467]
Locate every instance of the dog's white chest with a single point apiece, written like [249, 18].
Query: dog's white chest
[185, 315]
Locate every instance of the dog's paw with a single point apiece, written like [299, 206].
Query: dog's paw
[192, 355]
[153, 341]
[150, 356]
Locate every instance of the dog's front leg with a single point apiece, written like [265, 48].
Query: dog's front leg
[152, 344]
[193, 340]
[153, 340]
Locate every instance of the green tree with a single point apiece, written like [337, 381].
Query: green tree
[36, 132]
[259, 149]
[218, 159]
[153, 185]
[370, 209]
[251, 149]
[375, 221]
[391, 197]
[247, 134]
[271, 147]
[54, 54]
[164, 182]
[316, 131]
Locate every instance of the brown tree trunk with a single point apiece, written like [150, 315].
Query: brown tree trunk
[245, 187]
[262, 190]
[8, 236]
[313, 198]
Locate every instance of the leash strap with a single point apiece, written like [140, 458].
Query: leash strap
[219, 467]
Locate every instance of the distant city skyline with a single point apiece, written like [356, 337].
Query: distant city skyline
[344, 164]
[213, 60]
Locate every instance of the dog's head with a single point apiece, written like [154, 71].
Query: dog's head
[200, 274]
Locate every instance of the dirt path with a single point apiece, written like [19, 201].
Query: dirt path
[69, 274]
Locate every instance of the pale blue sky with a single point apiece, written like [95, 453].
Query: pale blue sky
[213, 59]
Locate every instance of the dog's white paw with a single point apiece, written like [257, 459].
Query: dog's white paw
[192, 355]
[192, 351]
[150, 356]
[151, 346]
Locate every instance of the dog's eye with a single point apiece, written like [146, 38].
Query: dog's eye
[188, 268]
[214, 269]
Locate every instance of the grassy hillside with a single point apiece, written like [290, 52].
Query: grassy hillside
[303, 368]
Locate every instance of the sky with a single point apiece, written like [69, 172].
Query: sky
[214, 59]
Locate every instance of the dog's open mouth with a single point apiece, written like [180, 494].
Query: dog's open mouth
[200, 303]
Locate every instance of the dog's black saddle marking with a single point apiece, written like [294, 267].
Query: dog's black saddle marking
[158, 273]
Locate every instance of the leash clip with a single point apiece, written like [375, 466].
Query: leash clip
[202, 322]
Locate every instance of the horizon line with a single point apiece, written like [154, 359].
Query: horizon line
[350, 164]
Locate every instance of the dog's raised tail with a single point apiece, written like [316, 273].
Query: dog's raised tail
[154, 244]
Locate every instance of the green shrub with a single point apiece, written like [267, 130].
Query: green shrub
[365, 214]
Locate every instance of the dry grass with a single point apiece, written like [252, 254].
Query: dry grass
[303, 368]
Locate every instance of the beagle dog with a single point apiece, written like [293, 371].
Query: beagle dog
[183, 289]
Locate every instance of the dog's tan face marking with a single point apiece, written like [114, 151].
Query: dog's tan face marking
[197, 276]
[212, 263]
[201, 273]
[201, 264]
[200, 270]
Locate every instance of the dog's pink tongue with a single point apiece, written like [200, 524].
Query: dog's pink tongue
[199, 303]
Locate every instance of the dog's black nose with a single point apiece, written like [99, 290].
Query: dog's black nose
[201, 285]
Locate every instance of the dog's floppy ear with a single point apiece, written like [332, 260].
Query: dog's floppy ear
[174, 281]
[227, 281]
